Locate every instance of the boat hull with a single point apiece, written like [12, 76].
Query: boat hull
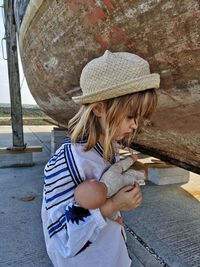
[57, 38]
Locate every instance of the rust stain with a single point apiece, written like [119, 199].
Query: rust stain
[108, 4]
[94, 17]
[115, 36]
[88, 2]
[118, 35]
[100, 40]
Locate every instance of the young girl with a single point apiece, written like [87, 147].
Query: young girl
[117, 92]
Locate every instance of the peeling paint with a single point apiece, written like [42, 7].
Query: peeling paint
[142, 8]
[147, 5]
[58, 36]
[130, 13]
[51, 64]
[53, 102]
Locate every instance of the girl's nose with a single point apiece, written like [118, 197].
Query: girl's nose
[134, 124]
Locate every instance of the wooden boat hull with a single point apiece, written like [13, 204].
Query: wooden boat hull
[57, 38]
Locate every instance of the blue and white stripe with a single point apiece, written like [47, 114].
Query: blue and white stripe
[57, 226]
[58, 155]
[61, 176]
[98, 148]
[59, 185]
[72, 165]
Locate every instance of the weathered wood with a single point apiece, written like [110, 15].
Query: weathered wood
[13, 73]
[57, 39]
[16, 150]
[159, 154]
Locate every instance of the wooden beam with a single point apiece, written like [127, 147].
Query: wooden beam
[17, 150]
[13, 74]
[159, 154]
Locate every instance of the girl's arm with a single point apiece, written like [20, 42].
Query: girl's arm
[68, 228]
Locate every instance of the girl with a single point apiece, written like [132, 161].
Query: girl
[117, 92]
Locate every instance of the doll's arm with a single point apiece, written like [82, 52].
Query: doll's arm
[139, 176]
[117, 177]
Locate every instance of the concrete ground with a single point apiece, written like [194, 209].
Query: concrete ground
[164, 231]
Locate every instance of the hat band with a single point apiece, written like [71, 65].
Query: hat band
[132, 86]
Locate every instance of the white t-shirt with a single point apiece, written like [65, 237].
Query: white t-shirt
[77, 237]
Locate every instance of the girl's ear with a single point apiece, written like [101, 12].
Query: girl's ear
[98, 109]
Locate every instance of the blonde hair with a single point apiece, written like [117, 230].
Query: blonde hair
[86, 123]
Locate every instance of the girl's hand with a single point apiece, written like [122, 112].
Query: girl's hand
[129, 197]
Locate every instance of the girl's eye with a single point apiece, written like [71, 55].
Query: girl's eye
[132, 118]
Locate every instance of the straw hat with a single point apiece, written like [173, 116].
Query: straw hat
[113, 75]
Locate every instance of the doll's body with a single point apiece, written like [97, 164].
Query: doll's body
[92, 194]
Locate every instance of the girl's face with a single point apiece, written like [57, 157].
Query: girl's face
[117, 119]
[127, 126]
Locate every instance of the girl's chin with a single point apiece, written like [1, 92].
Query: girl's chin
[125, 135]
[119, 138]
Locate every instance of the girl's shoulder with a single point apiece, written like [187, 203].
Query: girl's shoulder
[79, 146]
[89, 164]
[67, 141]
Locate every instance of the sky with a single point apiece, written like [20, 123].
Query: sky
[4, 85]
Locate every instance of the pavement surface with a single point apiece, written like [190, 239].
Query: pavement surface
[164, 231]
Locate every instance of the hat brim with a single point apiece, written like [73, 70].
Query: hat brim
[132, 86]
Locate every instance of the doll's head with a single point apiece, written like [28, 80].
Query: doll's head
[91, 194]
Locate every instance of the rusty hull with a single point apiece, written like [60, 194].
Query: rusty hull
[57, 38]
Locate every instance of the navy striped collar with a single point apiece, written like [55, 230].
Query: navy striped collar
[98, 147]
